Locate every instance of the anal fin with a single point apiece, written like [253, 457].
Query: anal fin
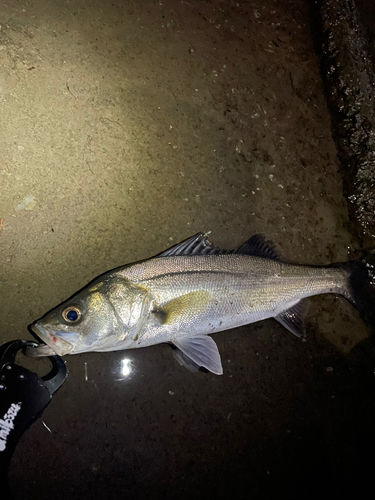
[293, 319]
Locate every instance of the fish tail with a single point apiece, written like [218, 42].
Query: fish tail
[361, 285]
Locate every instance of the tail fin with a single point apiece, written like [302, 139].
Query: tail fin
[362, 286]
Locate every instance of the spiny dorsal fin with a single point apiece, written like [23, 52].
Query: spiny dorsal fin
[199, 244]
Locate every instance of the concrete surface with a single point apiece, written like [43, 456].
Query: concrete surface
[348, 74]
[126, 127]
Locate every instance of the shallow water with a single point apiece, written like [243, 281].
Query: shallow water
[126, 128]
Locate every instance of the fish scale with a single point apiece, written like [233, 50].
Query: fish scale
[242, 289]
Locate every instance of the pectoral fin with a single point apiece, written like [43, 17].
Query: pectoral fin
[293, 319]
[202, 350]
[178, 309]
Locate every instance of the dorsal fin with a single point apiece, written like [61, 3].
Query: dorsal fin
[258, 245]
[199, 244]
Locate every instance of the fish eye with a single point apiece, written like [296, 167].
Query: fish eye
[71, 314]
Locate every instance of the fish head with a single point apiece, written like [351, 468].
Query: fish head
[102, 317]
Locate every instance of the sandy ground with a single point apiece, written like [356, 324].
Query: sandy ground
[126, 127]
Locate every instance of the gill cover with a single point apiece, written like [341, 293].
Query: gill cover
[130, 304]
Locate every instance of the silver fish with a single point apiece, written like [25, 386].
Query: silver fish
[190, 291]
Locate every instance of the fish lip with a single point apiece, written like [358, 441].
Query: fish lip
[61, 347]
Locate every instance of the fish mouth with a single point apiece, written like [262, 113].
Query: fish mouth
[51, 343]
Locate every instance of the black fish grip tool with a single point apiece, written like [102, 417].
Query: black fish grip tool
[23, 398]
